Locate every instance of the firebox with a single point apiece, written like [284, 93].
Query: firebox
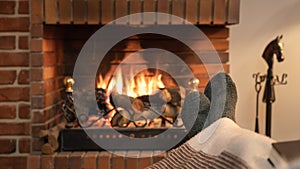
[139, 93]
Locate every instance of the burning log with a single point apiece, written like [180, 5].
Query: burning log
[164, 103]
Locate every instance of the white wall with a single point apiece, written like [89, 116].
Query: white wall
[260, 22]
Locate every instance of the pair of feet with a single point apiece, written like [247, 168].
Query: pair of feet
[202, 109]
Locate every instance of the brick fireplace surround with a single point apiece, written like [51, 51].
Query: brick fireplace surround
[39, 44]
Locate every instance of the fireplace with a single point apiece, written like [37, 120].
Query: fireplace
[47, 40]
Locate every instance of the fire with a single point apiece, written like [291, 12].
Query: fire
[143, 83]
[100, 83]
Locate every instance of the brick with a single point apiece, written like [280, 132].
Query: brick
[7, 7]
[14, 24]
[23, 7]
[37, 30]
[37, 144]
[14, 129]
[47, 161]
[52, 98]
[76, 160]
[37, 59]
[24, 145]
[37, 88]
[39, 116]
[62, 160]
[33, 162]
[50, 85]
[7, 42]
[7, 111]
[36, 74]
[49, 72]
[118, 161]
[37, 12]
[90, 160]
[36, 45]
[36, 128]
[44, 115]
[8, 146]
[104, 160]
[145, 159]
[49, 45]
[132, 160]
[50, 59]
[14, 59]
[13, 162]
[24, 111]
[23, 42]
[23, 77]
[37, 102]
[7, 76]
[14, 94]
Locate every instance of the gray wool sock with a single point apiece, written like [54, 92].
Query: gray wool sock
[222, 93]
[194, 112]
[219, 100]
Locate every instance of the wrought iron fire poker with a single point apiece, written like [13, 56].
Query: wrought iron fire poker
[259, 79]
[275, 47]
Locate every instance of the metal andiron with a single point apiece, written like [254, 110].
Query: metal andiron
[275, 47]
[68, 106]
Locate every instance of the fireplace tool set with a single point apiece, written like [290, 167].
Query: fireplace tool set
[275, 47]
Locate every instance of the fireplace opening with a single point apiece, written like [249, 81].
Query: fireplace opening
[139, 91]
[142, 57]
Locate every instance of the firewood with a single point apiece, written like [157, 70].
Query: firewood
[138, 105]
[53, 137]
[43, 133]
[160, 97]
[48, 149]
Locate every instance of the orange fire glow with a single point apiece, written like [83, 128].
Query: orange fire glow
[144, 83]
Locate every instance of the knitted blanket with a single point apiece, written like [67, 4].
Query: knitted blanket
[222, 145]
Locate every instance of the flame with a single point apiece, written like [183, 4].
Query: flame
[100, 82]
[119, 82]
[144, 83]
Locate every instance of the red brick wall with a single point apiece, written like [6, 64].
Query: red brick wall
[31, 73]
[15, 116]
